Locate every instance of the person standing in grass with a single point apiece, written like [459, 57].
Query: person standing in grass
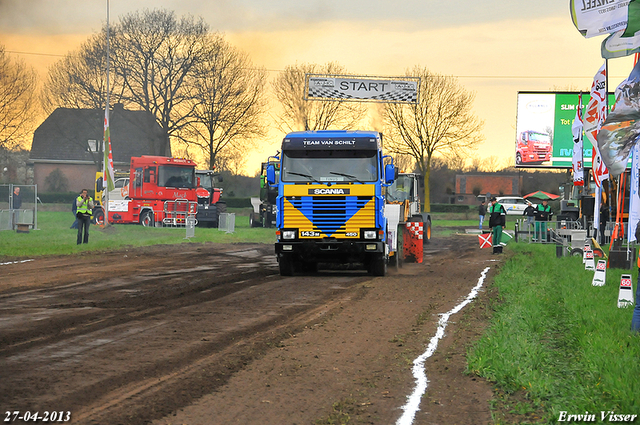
[497, 221]
[482, 211]
[530, 213]
[543, 214]
[85, 206]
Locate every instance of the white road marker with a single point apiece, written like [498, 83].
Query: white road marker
[15, 262]
[413, 401]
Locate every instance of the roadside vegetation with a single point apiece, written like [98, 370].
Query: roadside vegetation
[54, 236]
[556, 343]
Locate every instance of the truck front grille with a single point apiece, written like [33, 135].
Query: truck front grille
[331, 215]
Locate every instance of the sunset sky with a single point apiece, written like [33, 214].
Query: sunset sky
[494, 48]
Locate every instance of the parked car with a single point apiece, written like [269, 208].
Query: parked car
[514, 205]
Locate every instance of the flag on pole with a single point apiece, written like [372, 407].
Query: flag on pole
[634, 194]
[621, 129]
[593, 119]
[578, 160]
[108, 173]
[599, 18]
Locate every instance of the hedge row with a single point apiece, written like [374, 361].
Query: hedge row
[455, 208]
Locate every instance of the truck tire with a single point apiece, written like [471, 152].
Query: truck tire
[254, 220]
[378, 265]
[426, 234]
[146, 218]
[222, 207]
[98, 216]
[285, 263]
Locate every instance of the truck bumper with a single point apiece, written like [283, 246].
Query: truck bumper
[334, 251]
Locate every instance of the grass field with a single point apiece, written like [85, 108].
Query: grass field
[556, 343]
[54, 236]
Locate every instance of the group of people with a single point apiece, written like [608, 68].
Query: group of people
[536, 216]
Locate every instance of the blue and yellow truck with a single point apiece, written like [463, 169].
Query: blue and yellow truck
[330, 203]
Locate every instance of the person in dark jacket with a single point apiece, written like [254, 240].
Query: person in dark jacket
[530, 213]
[543, 214]
[482, 211]
[497, 220]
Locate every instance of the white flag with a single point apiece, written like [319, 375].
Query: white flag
[593, 119]
[593, 18]
[578, 160]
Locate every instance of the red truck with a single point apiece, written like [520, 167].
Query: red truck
[160, 190]
[533, 147]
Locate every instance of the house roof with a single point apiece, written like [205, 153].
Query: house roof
[64, 135]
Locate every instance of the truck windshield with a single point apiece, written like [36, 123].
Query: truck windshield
[176, 176]
[401, 189]
[206, 181]
[329, 166]
[539, 137]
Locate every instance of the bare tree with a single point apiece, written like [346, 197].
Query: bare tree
[79, 80]
[228, 101]
[17, 101]
[442, 121]
[156, 55]
[300, 114]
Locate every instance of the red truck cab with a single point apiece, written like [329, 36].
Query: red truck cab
[161, 190]
[533, 147]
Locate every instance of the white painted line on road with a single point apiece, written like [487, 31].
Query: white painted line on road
[15, 262]
[413, 401]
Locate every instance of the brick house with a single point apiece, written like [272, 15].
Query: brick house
[469, 186]
[65, 141]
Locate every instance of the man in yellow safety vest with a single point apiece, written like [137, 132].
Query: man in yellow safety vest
[85, 207]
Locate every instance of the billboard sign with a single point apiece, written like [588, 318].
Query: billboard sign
[338, 87]
[543, 129]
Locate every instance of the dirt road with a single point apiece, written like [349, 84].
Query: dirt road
[211, 334]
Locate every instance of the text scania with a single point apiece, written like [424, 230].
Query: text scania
[594, 4]
[329, 191]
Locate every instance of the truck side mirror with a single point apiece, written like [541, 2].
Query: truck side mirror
[271, 174]
[220, 179]
[390, 173]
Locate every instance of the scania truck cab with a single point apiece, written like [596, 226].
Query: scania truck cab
[330, 206]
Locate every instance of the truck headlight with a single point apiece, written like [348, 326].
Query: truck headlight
[288, 234]
[370, 234]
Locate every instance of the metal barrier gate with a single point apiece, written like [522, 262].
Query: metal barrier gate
[18, 211]
[177, 211]
[227, 222]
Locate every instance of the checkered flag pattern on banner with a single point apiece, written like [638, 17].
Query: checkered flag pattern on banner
[394, 96]
[323, 92]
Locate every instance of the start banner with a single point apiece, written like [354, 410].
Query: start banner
[338, 87]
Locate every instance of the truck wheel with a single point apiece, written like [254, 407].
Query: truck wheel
[518, 158]
[146, 219]
[285, 262]
[254, 220]
[98, 217]
[576, 252]
[378, 265]
[426, 234]
[221, 207]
